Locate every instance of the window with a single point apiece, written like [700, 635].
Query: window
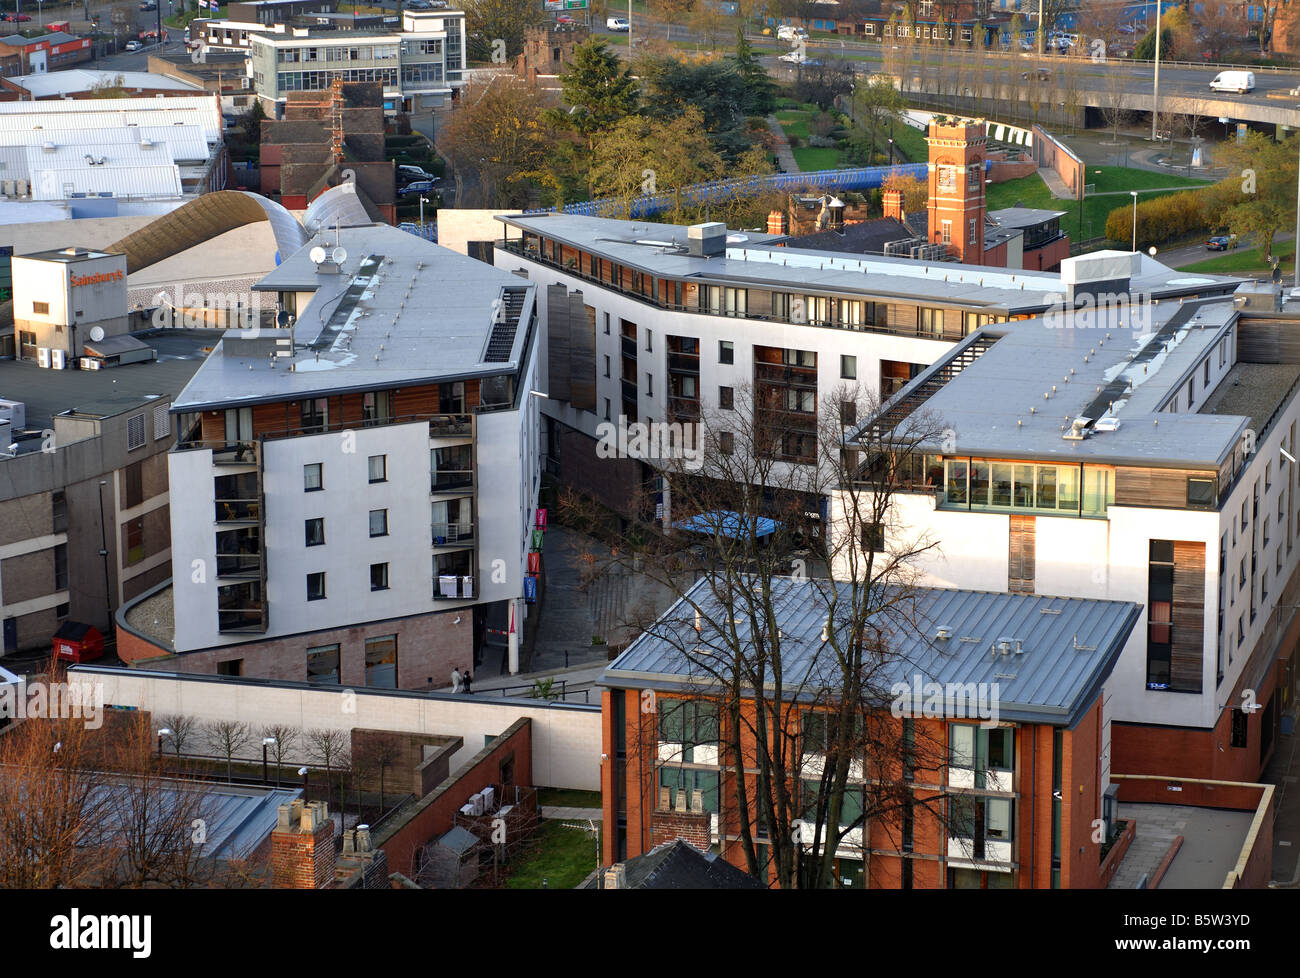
[649, 341]
[316, 586]
[973, 238]
[606, 324]
[41, 308]
[231, 667]
[133, 484]
[379, 577]
[873, 537]
[376, 407]
[61, 567]
[133, 531]
[727, 442]
[1200, 493]
[848, 367]
[378, 468]
[726, 351]
[727, 398]
[63, 610]
[315, 415]
[314, 531]
[379, 522]
[381, 662]
[1240, 719]
[930, 322]
[1205, 375]
[311, 477]
[59, 508]
[607, 366]
[135, 432]
[649, 385]
[689, 724]
[323, 665]
[607, 409]
[946, 232]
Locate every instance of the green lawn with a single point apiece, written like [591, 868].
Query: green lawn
[818, 158]
[1244, 260]
[568, 798]
[1031, 191]
[563, 857]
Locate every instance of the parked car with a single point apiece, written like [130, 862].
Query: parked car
[149, 5]
[17, 18]
[133, 45]
[409, 174]
[797, 58]
[416, 188]
[1240, 82]
[617, 24]
[418, 5]
[1221, 242]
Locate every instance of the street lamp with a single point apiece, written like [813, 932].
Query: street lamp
[423, 201]
[1155, 91]
[302, 773]
[1134, 195]
[891, 150]
[266, 742]
[162, 732]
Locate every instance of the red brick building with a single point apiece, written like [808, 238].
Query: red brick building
[1023, 783]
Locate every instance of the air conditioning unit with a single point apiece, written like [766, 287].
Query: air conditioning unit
[43, 356]
[22, 188]
[58, 359]
[15, 412]
[88, 363]
[8, 187]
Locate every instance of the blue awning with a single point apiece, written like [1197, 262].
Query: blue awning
[725, 522]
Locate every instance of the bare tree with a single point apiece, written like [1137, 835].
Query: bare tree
[183, 729]
[227, 738]
[286, 739]
[329, 747]
[376, 753]
[1114, 95]
[809, 750]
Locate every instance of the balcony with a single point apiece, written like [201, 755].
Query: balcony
[450, 587]
[238, 511]
[240, 566]
[786, 374]
[452, 480]
[241, 620]
[978, 853]
[451, 426]
[985, 780]
[452, 534]
[684, 408]
[685, 363]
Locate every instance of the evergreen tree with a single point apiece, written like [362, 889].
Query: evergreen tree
[760, 90]
[598, 87]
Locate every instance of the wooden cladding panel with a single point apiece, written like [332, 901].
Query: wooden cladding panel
[1155, 487]
[1021, 550]
[582, 354]
[1265, 341]
[557, 339]
[1187, 647]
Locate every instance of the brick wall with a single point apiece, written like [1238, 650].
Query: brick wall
[1048, 152]
[615, 483]
[692, 827]
[435, 814]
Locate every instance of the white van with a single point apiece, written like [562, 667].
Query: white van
[1240, 82]
[789, 32]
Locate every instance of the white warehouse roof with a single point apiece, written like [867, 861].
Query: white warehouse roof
[126, 169]
[90, 115]
[51, 83]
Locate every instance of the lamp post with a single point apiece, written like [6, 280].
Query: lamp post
[302, 773]
[103, 552]
[891, 150]
[266, 742]
[423, 201]
[1134, 195]
[1155, 90]
[163, 732]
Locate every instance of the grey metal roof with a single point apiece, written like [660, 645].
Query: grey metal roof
[1023, 217]
[754, 259]
[1069, 645]
[399, 310]
[1073, 366]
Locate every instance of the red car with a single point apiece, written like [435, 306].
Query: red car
[564, 19]
[17, 18]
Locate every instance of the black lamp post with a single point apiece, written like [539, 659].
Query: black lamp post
[266, 742]
[163, 732]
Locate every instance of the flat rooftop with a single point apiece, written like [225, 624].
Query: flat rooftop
[1047, 372]
[1068, 645]
[1023, 217]
[755, 259]
[1253, 390]
[399, 310]
[66, 254]
[107, 392]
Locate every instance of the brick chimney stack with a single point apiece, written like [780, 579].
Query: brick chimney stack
[893, 204]
[303, 853]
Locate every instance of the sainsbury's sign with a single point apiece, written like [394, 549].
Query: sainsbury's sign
[98, 278]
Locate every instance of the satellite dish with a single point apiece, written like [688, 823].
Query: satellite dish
[317, 254]
[339, 256]
[96, 333]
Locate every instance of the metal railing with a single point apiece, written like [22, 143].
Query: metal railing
[448, 481]
[447, 534]
[441, 424]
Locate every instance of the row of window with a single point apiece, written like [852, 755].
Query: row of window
[370, 52]
[380, 663]
[316, 582]
[313, 473]
[315, 81]
[1042, 488]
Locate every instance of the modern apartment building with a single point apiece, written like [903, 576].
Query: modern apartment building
[1144, 452]
[1021, 779]
[362, 484]
[419, 65]
[660, 322]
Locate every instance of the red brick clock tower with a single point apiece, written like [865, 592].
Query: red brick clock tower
[957, 154]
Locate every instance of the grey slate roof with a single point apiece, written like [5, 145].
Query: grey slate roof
[1069, 646]
[439, 331]
[1036, 357]
[678, 865]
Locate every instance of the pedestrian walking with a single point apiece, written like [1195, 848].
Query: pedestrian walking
[456, 679]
